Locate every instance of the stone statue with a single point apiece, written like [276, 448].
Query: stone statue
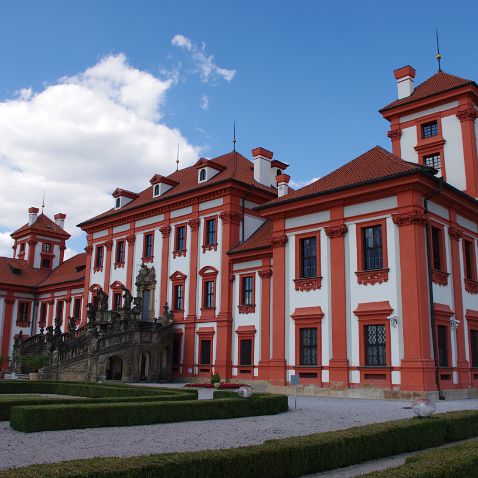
[58, 322]
[127, 298]
[145, 276]
[102, 298]
[91, 314]
[138, 305]
[71, 325]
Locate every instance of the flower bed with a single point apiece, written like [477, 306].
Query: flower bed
[223, 385]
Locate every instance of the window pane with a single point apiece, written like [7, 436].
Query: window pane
[436, 248]
[246, 352]
[469, 260]
[211, 231]
[209, 294]
[247, 291]
[430, 129]
[433, 161]
[474, 347]
[180, 242]
[308, 346]
[178, 297]
[205, 352]
[308, 257]
[375, 345]
[442, 346]
[372, 248]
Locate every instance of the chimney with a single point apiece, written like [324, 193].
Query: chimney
[404, 77]
[262, 166]
[282, 184]
[60, 219]
[32, 215]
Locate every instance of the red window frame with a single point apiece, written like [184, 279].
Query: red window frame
[146, 257]
[180, 252]
[432, 145]
[99, 258]
[247, 308]
[472, 321]
[77, 308]
[439, 277]
[471, 283]
[305, 284]
[204, 334]
[443, 313]
[207, 246]
[120, 262]
[23, 322]
[178, 279]
[43, 314]
[246, 332]
[208, 274]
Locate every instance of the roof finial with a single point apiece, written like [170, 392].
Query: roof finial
[438, 56]
[177, 159]
[43, 202]
[234, 138]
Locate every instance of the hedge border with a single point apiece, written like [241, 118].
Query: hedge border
[284, 458]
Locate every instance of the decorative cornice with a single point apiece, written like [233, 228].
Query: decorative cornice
[119, 265]
[394, 134]
[455, 233]
[194, 224]
[336, 231]
[165, 231]
[279, 241]
[247, 309]
[267, 274]
[9, 300]
[181, 253]
[32, 242]
[230, 217]
[131, 239]
[308, 284]
[372, 277]
[471, 286]
[440, 278]
[469, 114]
[98, 269]
[209, 247]
[109, 245]
[147, 259]
[406, 219]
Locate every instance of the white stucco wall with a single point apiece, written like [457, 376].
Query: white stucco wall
[408, 141]
[453, 152]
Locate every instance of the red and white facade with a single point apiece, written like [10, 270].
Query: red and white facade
[357, 280]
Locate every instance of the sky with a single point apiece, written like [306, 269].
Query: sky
[96, 95]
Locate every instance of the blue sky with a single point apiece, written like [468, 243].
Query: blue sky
[304, 79]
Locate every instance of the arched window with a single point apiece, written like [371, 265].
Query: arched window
[202, 175]
[278, 172]
[156, 190]
[118, 203]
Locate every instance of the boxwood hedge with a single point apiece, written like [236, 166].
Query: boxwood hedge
[284, 458]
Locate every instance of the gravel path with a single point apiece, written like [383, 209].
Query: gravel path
[313, 414]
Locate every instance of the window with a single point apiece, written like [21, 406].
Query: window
[181, 238]
[178, 297]
[429, 129]
[43, 311]
[145, 315]
[372, 248]
[437, 262]
[205, 353]
[46, 247]
[77, 309]
[308, 257]
[245, 354]
[433, 160]
[23, 309]
[474, 347]
[120, 252]
[469, 256]
[209, 294]
[118, 203]
[442, 332]
[116, 301]
[210, 231]
[247, 290]
[375, 346]
[59, 310]
[99, 257]
[176, 351]
[45, 263]
[156, 190]
[148, 246]
[22, 247]
[308, 346]
[202, 175]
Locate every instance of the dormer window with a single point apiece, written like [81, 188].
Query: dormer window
[156, 190]
[123, 197]
[161, 184]
[202, 175]
[278, 172]
[118, 203]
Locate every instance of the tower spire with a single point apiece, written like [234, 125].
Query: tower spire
[438, 56]
[43, 202]
[234, 138]
[177, 159]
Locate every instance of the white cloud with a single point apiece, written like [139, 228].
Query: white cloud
[6, 243]
[82, 137]
[204, 102]
[301, 184]
[204, 63]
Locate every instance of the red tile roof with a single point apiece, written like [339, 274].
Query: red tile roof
[375, 164]
[236, 166]
[438, 83]
[42, 224]
[261, 239]
[18, 272]
[72, 270]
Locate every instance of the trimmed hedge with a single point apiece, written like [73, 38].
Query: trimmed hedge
[33, 418]
[450, 462]
[284, 458]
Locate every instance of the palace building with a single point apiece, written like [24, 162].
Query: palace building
[364, 278]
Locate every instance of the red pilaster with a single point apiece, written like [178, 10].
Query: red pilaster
[467, 116]
[108, 247]
[32, 243]
[265, 276]
[417, 366]
[7, 328]
[165, 231]
[89, 251]
[131, 239]
[339, 363]
[395, 134]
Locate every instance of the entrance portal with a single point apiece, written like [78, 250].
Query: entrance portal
[114, 370]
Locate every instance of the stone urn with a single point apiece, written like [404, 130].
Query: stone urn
[217, 385]
[34, 376]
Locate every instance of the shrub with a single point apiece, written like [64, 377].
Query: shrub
[35, 362]
[289, 457]
[33, 418]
